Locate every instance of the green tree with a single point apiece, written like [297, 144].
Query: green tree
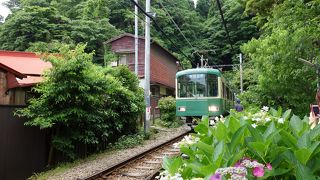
[32, 24]
[240, 27]
[291, 33]
[78, 95]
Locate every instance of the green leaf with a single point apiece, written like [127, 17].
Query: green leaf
[237, 139]
[303, 155]
[275, 172]
[221, 132]
[201, 128]
[286, 115]
[204, 147]
[203, 170]
[218, 153]
[302, 172]
[234, 124]
[258, 147]
[296, 125]
[288, 139]
[271, 129]
[314, 133]
[232, 159]
[172, 165]
[187, 151]
[255, 133]
[273, 112]
[304, 141]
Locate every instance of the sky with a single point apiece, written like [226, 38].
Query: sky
[3, 10]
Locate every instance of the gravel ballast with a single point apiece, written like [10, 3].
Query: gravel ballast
[111, 158]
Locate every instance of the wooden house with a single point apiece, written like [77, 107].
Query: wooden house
[19, 71]
[163, 64]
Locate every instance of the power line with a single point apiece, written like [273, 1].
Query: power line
[164, 8]
[159, 29]
[224, 23]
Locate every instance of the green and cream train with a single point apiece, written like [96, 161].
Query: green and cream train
[202, 91]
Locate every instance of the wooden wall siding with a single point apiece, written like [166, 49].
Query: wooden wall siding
[23, 149]
[126, 45]
[163, 67]
[4, 98]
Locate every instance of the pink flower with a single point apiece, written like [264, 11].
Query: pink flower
[216, 176]
[258, 171]
[269, 166]
[238, 164]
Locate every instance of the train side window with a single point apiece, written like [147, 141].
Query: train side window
[212, 85]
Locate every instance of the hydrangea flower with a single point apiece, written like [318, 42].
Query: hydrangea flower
[216, 176]
[268, 119]
[254, 125]
[268, 165]
[265, 108]
[258, 171]
[212, 122]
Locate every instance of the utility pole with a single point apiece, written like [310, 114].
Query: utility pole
[201, 61]
[241, 79]
[147, 71]
[136, 39]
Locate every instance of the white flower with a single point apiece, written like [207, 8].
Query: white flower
[221, 116]
[281, 120]
[256, 119]
[245, 117]
[254, 125]
[265, 108]
[212, 122]
[268, 119]
[216, 118]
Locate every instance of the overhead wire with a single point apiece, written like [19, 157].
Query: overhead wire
[177, 27]
[224, 24]
[159, 29]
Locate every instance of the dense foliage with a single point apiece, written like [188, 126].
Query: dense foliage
[41, 23]
[254, 143]
[78, 95]
[167, 106]
[291, 32]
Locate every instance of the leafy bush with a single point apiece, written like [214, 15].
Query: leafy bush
[82, 104]
[280, 145]
[129, 141]
[167, 106]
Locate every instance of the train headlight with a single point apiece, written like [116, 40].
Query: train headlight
[213, 108]
[182, 109]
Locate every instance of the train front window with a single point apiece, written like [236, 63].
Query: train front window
[197, 85]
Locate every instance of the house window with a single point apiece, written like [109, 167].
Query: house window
[124, 60]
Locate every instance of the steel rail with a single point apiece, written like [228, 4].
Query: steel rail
[123, 163]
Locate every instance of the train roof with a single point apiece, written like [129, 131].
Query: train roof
[199, 70]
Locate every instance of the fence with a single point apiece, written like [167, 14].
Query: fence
[23, 149]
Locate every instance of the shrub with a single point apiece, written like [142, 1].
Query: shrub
[82, 104]
[260, 143]
[129, 141]
[167, 106]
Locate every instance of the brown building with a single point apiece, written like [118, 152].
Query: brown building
[19, 71]
[163, 64]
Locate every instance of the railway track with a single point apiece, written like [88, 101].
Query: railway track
[145, 165]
